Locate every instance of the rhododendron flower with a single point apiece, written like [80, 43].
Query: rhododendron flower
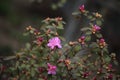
[82, 8]
[51, 69]
[54, 42]
[95, 28]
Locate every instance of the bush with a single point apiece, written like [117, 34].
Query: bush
[50, 57]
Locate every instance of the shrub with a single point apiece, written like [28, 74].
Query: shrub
[50, 57]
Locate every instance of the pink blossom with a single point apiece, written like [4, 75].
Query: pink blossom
[82, 8]
[54, 42]
[97, 28]
[51, 69]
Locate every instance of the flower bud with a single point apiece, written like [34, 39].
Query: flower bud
[82, 8]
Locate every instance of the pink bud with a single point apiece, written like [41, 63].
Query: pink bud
[82, 37]
[102, 40]
[82, 8]
[97, 28]
[40, 39]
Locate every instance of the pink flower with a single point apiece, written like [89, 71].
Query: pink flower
[95, 28]
[51, 69]
[54, 42]
[82, 8]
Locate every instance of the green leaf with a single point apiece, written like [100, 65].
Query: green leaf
[12, 69]
[93, 19]
[62, 38]
[99, 22]
[88, 38]
[23, 66]
[78, 74]
[60, 26]
[90, 17]
[107, 59]
[31, 31]
[75, 13]
[40, 79]
[54, 7]
[32, 72]
[105, 50]
[115, 62]
[26, 34]
[85, 29]
[99, 35]
[49, 26]
[60, 4]
[28, 45]
[94, 45]
[63, 1]
[88, 33]
[77, 48]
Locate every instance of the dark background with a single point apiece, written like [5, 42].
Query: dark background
[15, 15]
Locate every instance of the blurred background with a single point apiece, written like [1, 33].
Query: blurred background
[16, 15]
